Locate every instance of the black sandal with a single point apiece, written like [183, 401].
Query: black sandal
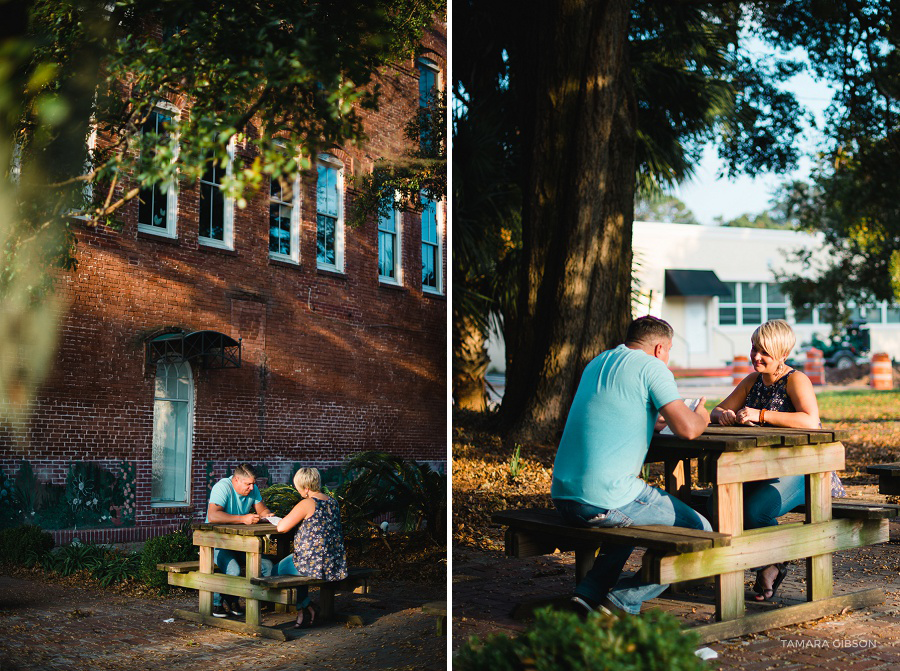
[762, 592]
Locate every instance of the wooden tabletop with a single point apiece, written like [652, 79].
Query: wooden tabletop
[736, 438]
[261, 529]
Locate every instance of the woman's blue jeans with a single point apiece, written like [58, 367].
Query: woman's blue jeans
[232, 562]
[286, 567]
[767, 500]
[652, 506]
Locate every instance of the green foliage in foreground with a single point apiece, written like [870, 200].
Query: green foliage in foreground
[560, 641]
[172, 547]
[281, 498]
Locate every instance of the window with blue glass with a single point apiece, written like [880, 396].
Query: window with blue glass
[284, 221]
[329, 215]
[216, 211]
[157, 202]
[428, 87]
[431, 247]
[752, 303]
[171, 448]
[389, 244]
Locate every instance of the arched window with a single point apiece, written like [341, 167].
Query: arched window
[172, 435]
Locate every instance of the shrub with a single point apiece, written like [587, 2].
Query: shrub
[73, 558]
[280, 498]
[19, 545]
[379, 483]
[562, 642]
[117, 566]
[172, 547]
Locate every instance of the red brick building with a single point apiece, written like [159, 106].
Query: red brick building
[340, 334]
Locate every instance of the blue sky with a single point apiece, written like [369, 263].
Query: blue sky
[708, 196]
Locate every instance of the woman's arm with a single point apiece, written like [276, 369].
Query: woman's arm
[298, 513]
[725, 412]
[802, 395]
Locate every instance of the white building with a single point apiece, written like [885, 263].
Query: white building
[715, 285]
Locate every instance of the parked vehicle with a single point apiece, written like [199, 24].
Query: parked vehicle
[849, 347]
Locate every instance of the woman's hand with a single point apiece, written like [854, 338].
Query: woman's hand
[748, 416]
[727, 417]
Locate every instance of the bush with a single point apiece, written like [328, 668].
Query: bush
[21, 545]
[106, 565]
[280, 498]
[116, 566]
[562, 642]
[172, 547]
[73, 558]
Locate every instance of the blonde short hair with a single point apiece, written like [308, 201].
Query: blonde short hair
[776, 338]
[308, 478]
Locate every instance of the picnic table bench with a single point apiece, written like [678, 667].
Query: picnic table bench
[534, 531]
[256, 540]
[728, 457]
[888, 477]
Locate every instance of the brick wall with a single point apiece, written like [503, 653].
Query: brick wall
[332, 363]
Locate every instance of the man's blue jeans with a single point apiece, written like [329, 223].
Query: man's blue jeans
[652, 506]
[232, 562]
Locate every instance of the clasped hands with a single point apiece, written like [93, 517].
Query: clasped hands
[742, 416]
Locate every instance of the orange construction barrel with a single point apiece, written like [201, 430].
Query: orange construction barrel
[740, 368]
[882, 375]
[815, 366]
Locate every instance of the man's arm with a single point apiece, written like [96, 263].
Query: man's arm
[262, 510]
[684, 422]
[217, 515]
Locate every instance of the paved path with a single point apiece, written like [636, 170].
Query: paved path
[47, 626]
[487, 585]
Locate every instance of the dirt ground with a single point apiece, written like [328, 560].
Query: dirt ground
[55, 626]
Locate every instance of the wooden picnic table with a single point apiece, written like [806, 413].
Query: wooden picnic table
[255, 540]
[729, 456]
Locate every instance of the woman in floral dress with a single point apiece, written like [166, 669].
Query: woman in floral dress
[318, 543]
[774, 394]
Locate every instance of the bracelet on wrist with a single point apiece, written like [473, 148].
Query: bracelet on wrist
[762, 416]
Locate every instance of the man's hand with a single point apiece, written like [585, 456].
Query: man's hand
[683, 422]
[702, 411]
[249, 518]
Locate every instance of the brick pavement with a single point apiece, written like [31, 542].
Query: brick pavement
[52, 627]
[486, 585]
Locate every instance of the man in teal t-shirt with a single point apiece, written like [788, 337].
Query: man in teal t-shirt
[235, 500]
[596, 473]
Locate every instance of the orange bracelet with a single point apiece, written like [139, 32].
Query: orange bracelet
[762, 416]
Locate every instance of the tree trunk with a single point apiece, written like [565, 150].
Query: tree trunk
[470, 362]
[578, 211]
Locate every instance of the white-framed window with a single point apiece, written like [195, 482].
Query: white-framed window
[330, 214]
[390, 267]
[173, 409]
[216, 211]
[284, 219]
[428, 81]
[158, 204]
[432, 261]
[429, 85]
[752, 303]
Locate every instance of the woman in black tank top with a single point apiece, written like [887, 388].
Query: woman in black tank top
[774, 394]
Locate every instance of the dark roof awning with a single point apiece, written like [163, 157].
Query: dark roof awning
[694, 283]
[210, 348]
